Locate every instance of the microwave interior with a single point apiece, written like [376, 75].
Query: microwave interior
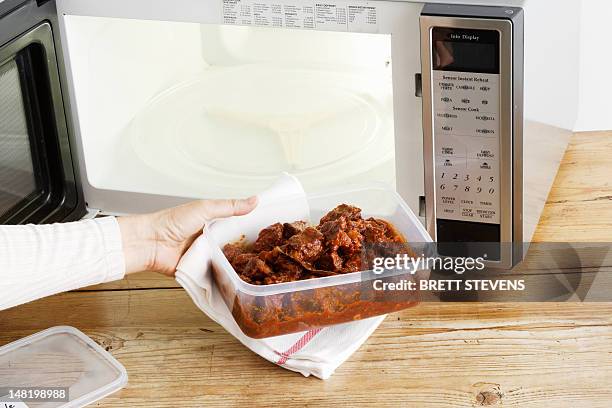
[209, 110]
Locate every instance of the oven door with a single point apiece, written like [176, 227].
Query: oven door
[184, 99]
[37, 177]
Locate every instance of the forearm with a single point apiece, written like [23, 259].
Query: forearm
[40, 260]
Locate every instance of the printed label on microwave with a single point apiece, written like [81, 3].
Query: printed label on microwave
[320, 15]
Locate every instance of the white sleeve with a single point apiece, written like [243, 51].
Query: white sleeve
[40, 260]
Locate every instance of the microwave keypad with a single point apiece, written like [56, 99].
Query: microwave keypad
[466, 143]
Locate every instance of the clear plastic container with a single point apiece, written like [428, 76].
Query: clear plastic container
[62, 357]
[272, 310]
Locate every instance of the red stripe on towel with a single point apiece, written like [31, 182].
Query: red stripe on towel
[297, 346]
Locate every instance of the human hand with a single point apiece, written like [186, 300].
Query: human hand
[157, 241]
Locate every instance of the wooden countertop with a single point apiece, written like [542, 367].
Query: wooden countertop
[443, 355]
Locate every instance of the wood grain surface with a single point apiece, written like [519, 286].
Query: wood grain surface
[438, 355]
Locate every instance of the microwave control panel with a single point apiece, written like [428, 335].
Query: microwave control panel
[472, 83]
[465, 92]
[465, 96]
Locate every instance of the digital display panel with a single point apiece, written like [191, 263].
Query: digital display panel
[465, 50]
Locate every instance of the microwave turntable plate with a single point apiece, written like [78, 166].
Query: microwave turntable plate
[311, 123]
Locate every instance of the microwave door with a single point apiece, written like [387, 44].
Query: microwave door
[171, 101]
[37, 177]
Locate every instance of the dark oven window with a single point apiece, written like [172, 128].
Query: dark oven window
[18, 183]
[37, 178]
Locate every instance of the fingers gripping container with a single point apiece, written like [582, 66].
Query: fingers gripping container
[272, 310]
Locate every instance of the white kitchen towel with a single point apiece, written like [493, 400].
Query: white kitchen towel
[318, 352]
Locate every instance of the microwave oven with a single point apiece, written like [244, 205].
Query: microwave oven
[114, 107]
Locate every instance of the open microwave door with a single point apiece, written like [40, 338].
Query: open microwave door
[174, 101]
[38, 182]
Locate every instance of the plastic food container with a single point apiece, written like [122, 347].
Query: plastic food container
[57, 367]
[272, 310]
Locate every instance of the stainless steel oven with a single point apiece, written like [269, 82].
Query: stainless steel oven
[37, 174]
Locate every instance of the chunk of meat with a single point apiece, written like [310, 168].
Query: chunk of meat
[269, 238]
[375, 227]
[232, 250]
[358, 225]
[334, 233]
[375, 231]
[330, 261]
[292, 228]
[256, 269]
[341, 236]
[286, 270]
[343, 210]
[356, 242]
[352, 264]
[306, 246]
[240, 261]
[269, 256]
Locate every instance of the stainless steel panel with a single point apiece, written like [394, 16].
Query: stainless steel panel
[504, 27]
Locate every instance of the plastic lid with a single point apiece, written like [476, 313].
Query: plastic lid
[61, 356]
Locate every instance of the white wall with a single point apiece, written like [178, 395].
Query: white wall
[595, 85]
[552, 42]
